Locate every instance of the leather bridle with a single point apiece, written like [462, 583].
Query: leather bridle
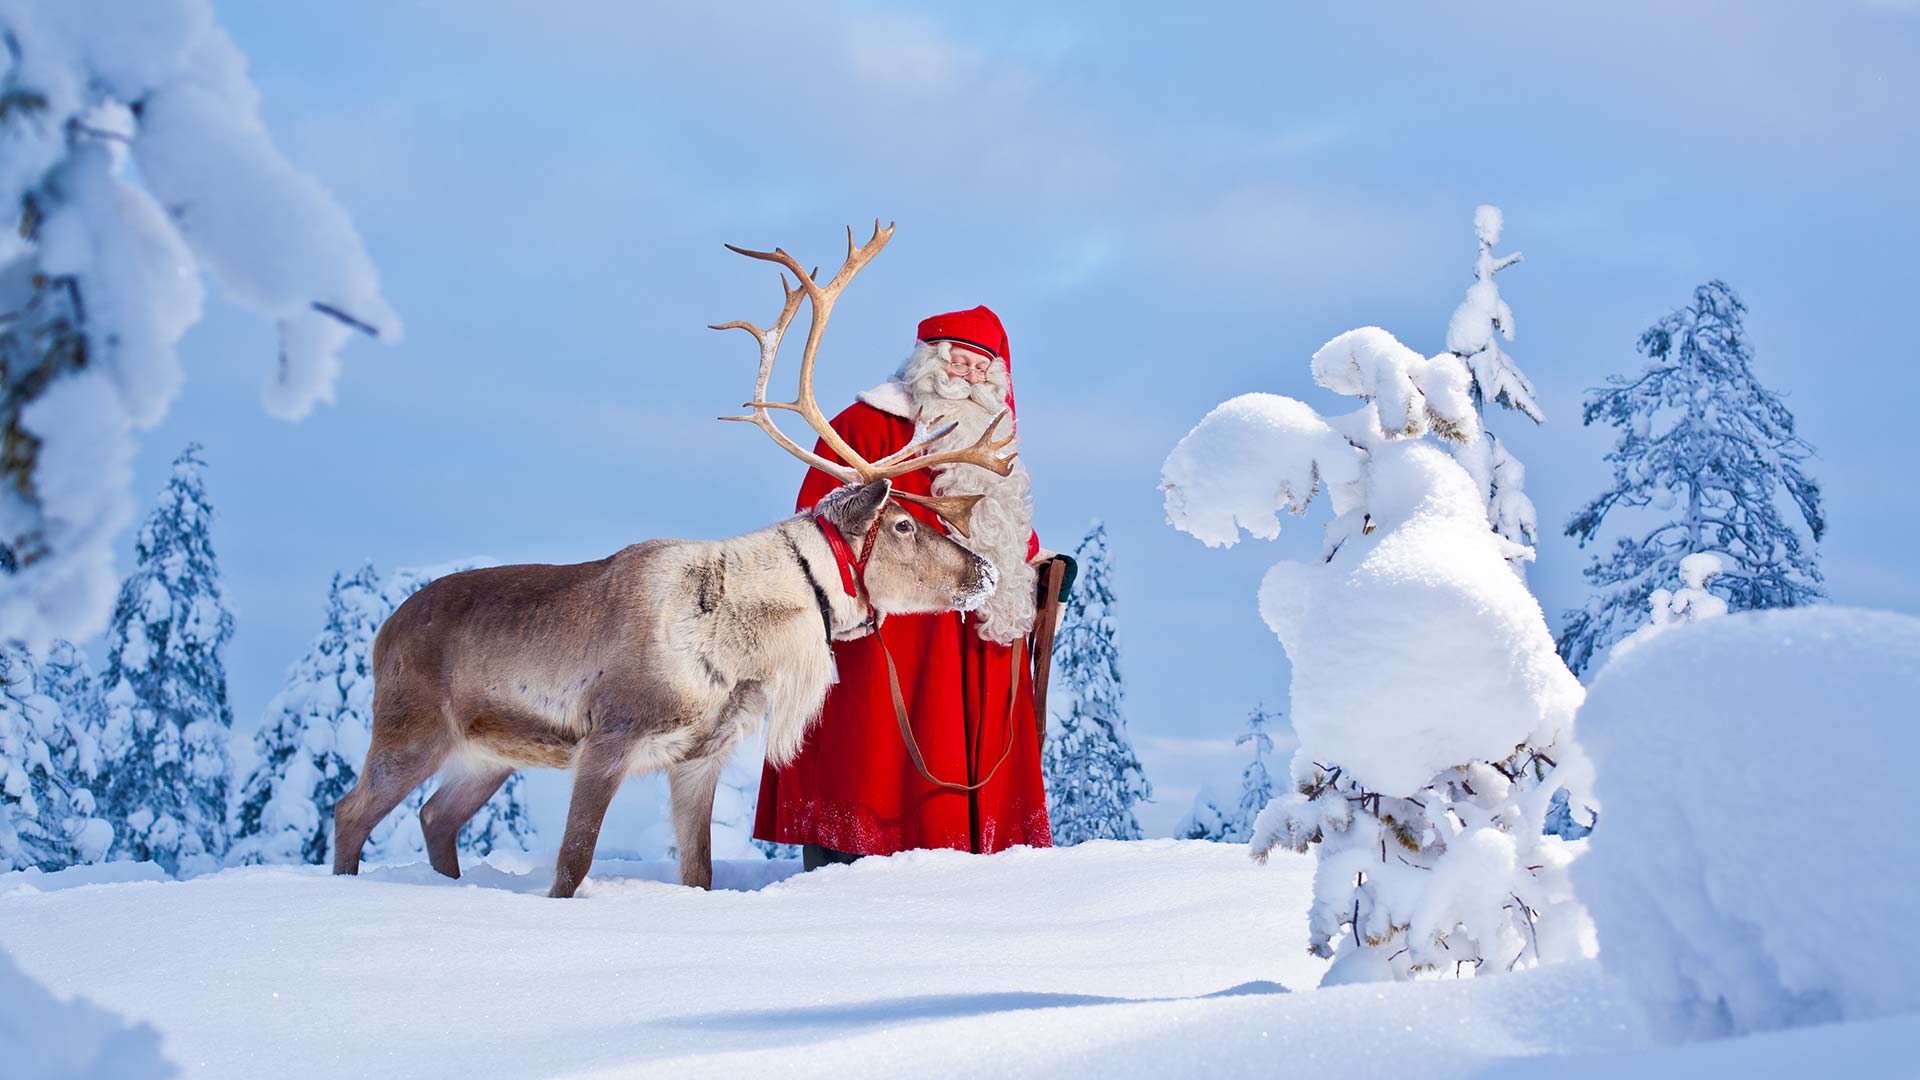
[853, 579]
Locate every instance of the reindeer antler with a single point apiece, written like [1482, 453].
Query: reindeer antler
[957, 510]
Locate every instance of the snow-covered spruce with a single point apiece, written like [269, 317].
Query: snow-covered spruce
[1214, 818]
[1256, 785]
[1756, 892]
[1434, 717]
[1207, 819]
[311, 746]
[1474, 334]
[1708, 451]
[1094, 779]
[165, 775]
[43, 1038]
[133, 157]
[48, 762]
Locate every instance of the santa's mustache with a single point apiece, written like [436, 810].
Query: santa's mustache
[990, 396]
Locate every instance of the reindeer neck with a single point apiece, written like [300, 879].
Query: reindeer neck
[840, 614]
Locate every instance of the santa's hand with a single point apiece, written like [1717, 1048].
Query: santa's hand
[1066, 579]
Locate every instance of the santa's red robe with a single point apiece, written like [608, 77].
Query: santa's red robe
[852, 788]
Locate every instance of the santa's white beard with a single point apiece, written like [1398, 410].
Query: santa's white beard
[1003, 520]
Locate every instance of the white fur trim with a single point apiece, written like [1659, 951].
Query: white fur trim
[890, 397]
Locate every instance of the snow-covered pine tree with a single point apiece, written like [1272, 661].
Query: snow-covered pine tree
[48, 759]
[1435, 719]
[136, 157]
[164, 771]
[1474, 334]
[284, 813]
[1093, 777]
[1256, 786]
[1206, 819]
[310, 748]
[1211, 818]
[1707, 451]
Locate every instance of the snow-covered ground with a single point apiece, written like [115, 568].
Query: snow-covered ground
[1110, 959]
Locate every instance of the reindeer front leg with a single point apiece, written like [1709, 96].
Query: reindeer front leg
[692, 784]
[602, 768]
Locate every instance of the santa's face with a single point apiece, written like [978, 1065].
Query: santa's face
[949, 372]
[964, 363]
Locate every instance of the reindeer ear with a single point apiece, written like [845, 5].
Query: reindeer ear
[855, 513]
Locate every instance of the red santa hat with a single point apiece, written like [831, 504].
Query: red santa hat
[978, 329]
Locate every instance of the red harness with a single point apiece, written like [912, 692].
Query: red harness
[853, 571]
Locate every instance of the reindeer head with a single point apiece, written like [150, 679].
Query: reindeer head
[909, 567]
[906, 566]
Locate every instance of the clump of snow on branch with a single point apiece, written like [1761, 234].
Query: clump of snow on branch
[44, 1038]
[1434, 718]
[1735, 887]
[1692, 600]
[1252, 458]
[1260, 454]
[311, 747]
[1410, 394]
[132, 157]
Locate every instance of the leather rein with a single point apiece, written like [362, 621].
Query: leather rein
[853, 578]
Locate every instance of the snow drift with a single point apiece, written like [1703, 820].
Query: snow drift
[1756, 866]
[45, 1039]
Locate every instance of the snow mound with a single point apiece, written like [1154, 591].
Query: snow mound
[1756, 866]
[42, 1038]
[1427, 636]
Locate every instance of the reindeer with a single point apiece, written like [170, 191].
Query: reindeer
[662, 655]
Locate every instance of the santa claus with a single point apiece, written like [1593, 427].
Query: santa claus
[964, 676]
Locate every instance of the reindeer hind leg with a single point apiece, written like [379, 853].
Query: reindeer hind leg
[407, 749]
[460, 797]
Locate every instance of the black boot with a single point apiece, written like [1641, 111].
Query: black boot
[813, 856]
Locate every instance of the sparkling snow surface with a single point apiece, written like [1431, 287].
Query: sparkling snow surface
[1111, 959]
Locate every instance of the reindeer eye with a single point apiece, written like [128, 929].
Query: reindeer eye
[903, 526]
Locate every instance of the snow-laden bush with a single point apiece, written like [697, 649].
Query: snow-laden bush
[1735, 885]
[132, 158]
[43, 1038]
[1435, 720]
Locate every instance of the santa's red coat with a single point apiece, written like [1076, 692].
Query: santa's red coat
[853, 788]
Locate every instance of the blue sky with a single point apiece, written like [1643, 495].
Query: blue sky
[1167, 207]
